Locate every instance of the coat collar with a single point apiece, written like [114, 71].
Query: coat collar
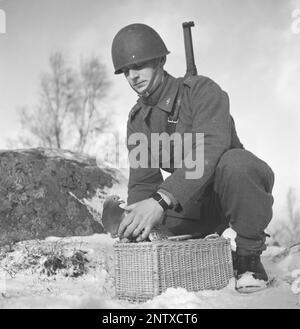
[169, 94]
[165, 102]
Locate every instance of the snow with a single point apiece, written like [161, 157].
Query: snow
[296, 286]
[246, 282]
[24, 283]
[229, 233]
[296, 273]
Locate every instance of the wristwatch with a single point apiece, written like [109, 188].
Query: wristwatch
[157, 197]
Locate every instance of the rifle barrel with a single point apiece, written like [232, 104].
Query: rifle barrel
[189, 51]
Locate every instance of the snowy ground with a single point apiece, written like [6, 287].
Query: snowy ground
[78, 272]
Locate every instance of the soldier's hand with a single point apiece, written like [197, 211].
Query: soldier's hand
[142, 217]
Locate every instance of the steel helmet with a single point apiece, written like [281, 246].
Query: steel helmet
[136, 43]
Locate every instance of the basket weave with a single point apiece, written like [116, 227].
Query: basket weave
[146, 269]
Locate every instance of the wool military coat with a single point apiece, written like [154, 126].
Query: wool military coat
[204, 109]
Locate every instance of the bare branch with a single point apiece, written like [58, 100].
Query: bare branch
[68, 108]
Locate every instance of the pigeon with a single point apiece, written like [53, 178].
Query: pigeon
[112, 214]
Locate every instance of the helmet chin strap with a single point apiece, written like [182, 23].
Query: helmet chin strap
[149, 90]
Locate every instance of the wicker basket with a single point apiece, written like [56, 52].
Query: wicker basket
[146, 269]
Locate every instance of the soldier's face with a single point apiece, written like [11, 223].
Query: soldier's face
[140, 75]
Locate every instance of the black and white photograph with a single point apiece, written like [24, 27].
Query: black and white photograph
[149, 156]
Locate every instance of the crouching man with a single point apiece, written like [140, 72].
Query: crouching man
[230, 187]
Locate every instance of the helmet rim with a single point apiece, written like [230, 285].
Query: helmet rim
[136, 43]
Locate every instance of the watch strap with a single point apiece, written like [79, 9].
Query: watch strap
[157, 197]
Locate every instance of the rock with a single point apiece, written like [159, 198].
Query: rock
[50, 192]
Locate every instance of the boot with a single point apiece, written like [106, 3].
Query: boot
[250, 273]
[250, 263]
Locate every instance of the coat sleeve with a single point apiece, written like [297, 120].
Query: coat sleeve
[142, 181]
[209, 110]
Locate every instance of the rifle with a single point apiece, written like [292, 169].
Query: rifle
[190, 70]
[188, 46]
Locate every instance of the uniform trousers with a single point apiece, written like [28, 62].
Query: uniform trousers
[239, 195]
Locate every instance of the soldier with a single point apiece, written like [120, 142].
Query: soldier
[235, 186]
